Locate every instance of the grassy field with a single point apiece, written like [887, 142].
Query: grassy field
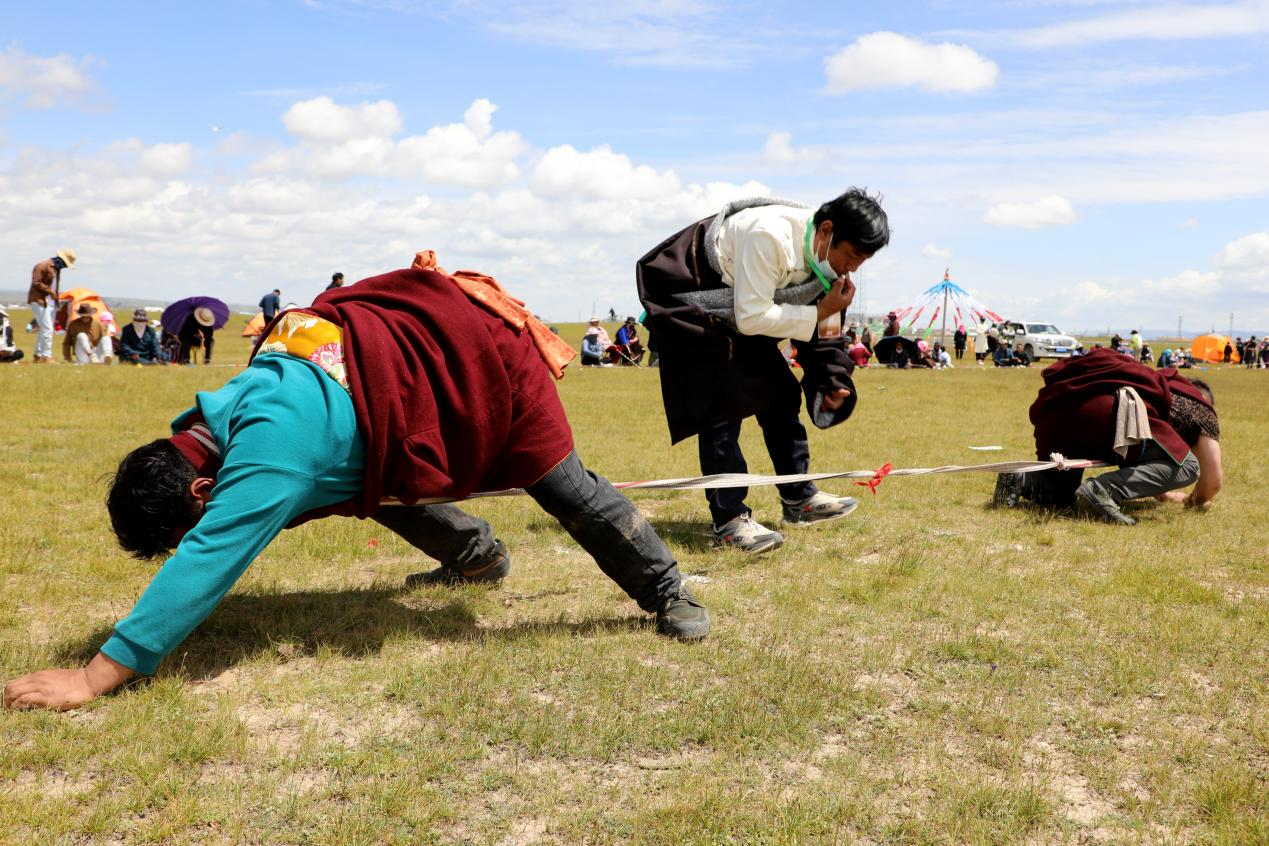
[928, 671]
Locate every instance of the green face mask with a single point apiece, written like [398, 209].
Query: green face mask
[820, 266]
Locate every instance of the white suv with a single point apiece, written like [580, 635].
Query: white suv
[1040, 340]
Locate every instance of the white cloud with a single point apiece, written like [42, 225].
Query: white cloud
[167, 159]
[345, 141]
[1047, 211]
[599, 174]
[42, 82]
[1248, 255]
[323, 121]
[1188, 223]
[933, 250]
[1191, 283]
[890, 60]
[1164, 22]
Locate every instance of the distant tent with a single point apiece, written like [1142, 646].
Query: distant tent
[69, 301]
[255, 326]
[1211, 348]
[963, 309]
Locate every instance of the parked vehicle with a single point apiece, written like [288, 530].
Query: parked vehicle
[1040, 340]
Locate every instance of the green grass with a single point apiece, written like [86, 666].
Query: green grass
[929, 671]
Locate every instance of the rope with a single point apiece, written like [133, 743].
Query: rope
[874, 477]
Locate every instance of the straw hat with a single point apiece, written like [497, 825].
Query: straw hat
[204, 316]
[67, 256]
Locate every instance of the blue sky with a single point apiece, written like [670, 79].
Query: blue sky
[1096, 164]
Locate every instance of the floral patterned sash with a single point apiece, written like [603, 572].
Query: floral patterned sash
[311, 338]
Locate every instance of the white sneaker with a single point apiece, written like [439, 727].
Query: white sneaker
[818, 508]
[747, 535]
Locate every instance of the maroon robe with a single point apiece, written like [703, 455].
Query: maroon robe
[449, 399]
[1074, 413]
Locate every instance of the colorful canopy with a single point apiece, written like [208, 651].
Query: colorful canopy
[921, 316]
[68, 303]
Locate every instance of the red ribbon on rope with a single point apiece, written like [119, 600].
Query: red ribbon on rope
[881, 472]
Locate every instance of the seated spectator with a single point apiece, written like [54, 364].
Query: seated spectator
[1020, 357]
[1146, 355]
[859, 354]
[900, 358]
[593, 348]
[1003, 356]
[942, 359]
[86, 338]
[8, 351]
[1165, 358]
[139, 343]
[628, 350]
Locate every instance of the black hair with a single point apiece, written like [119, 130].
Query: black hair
[149, 498]
[1206, 389]
[857, 218]
[336, 276]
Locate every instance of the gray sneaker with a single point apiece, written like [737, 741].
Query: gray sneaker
[492, 570]
[1097, 500]
[818, 508]
[747, 535]
[683, 616]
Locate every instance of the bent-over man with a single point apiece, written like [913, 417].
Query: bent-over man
[1158, 426]
[398, 386]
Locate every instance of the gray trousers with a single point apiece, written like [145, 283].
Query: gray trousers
[1153, 474]
[599, 518]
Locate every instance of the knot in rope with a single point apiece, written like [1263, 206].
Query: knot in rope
[880, 473]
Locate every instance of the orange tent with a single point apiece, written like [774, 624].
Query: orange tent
[1211, 348]
[254, 326]
[68, 302]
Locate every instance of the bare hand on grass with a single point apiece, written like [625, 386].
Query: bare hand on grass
[62, 690]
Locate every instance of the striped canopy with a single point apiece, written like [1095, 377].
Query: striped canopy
[963, 309]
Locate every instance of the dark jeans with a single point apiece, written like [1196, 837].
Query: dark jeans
[1153, 474]
[790, 453]
[599, 518]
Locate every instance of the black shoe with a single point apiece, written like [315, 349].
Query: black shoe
[1007, 487]
[492, 570]
[1098, 501]
[682, 616]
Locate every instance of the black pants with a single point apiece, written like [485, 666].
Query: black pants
[599, 518]
[785, 437]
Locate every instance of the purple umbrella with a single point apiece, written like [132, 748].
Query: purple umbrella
[175, 315]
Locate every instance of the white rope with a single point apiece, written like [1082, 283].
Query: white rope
[744, 480]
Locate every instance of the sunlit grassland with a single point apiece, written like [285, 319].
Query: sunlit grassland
[929, 670]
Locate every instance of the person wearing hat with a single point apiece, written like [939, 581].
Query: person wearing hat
[87, 338]
[594, 344]
[46, 279]
[139, 343]
[629, 349]
[197, 332]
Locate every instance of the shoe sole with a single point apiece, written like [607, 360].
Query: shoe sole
[785, 521]
[757, 549]
[697, 631]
